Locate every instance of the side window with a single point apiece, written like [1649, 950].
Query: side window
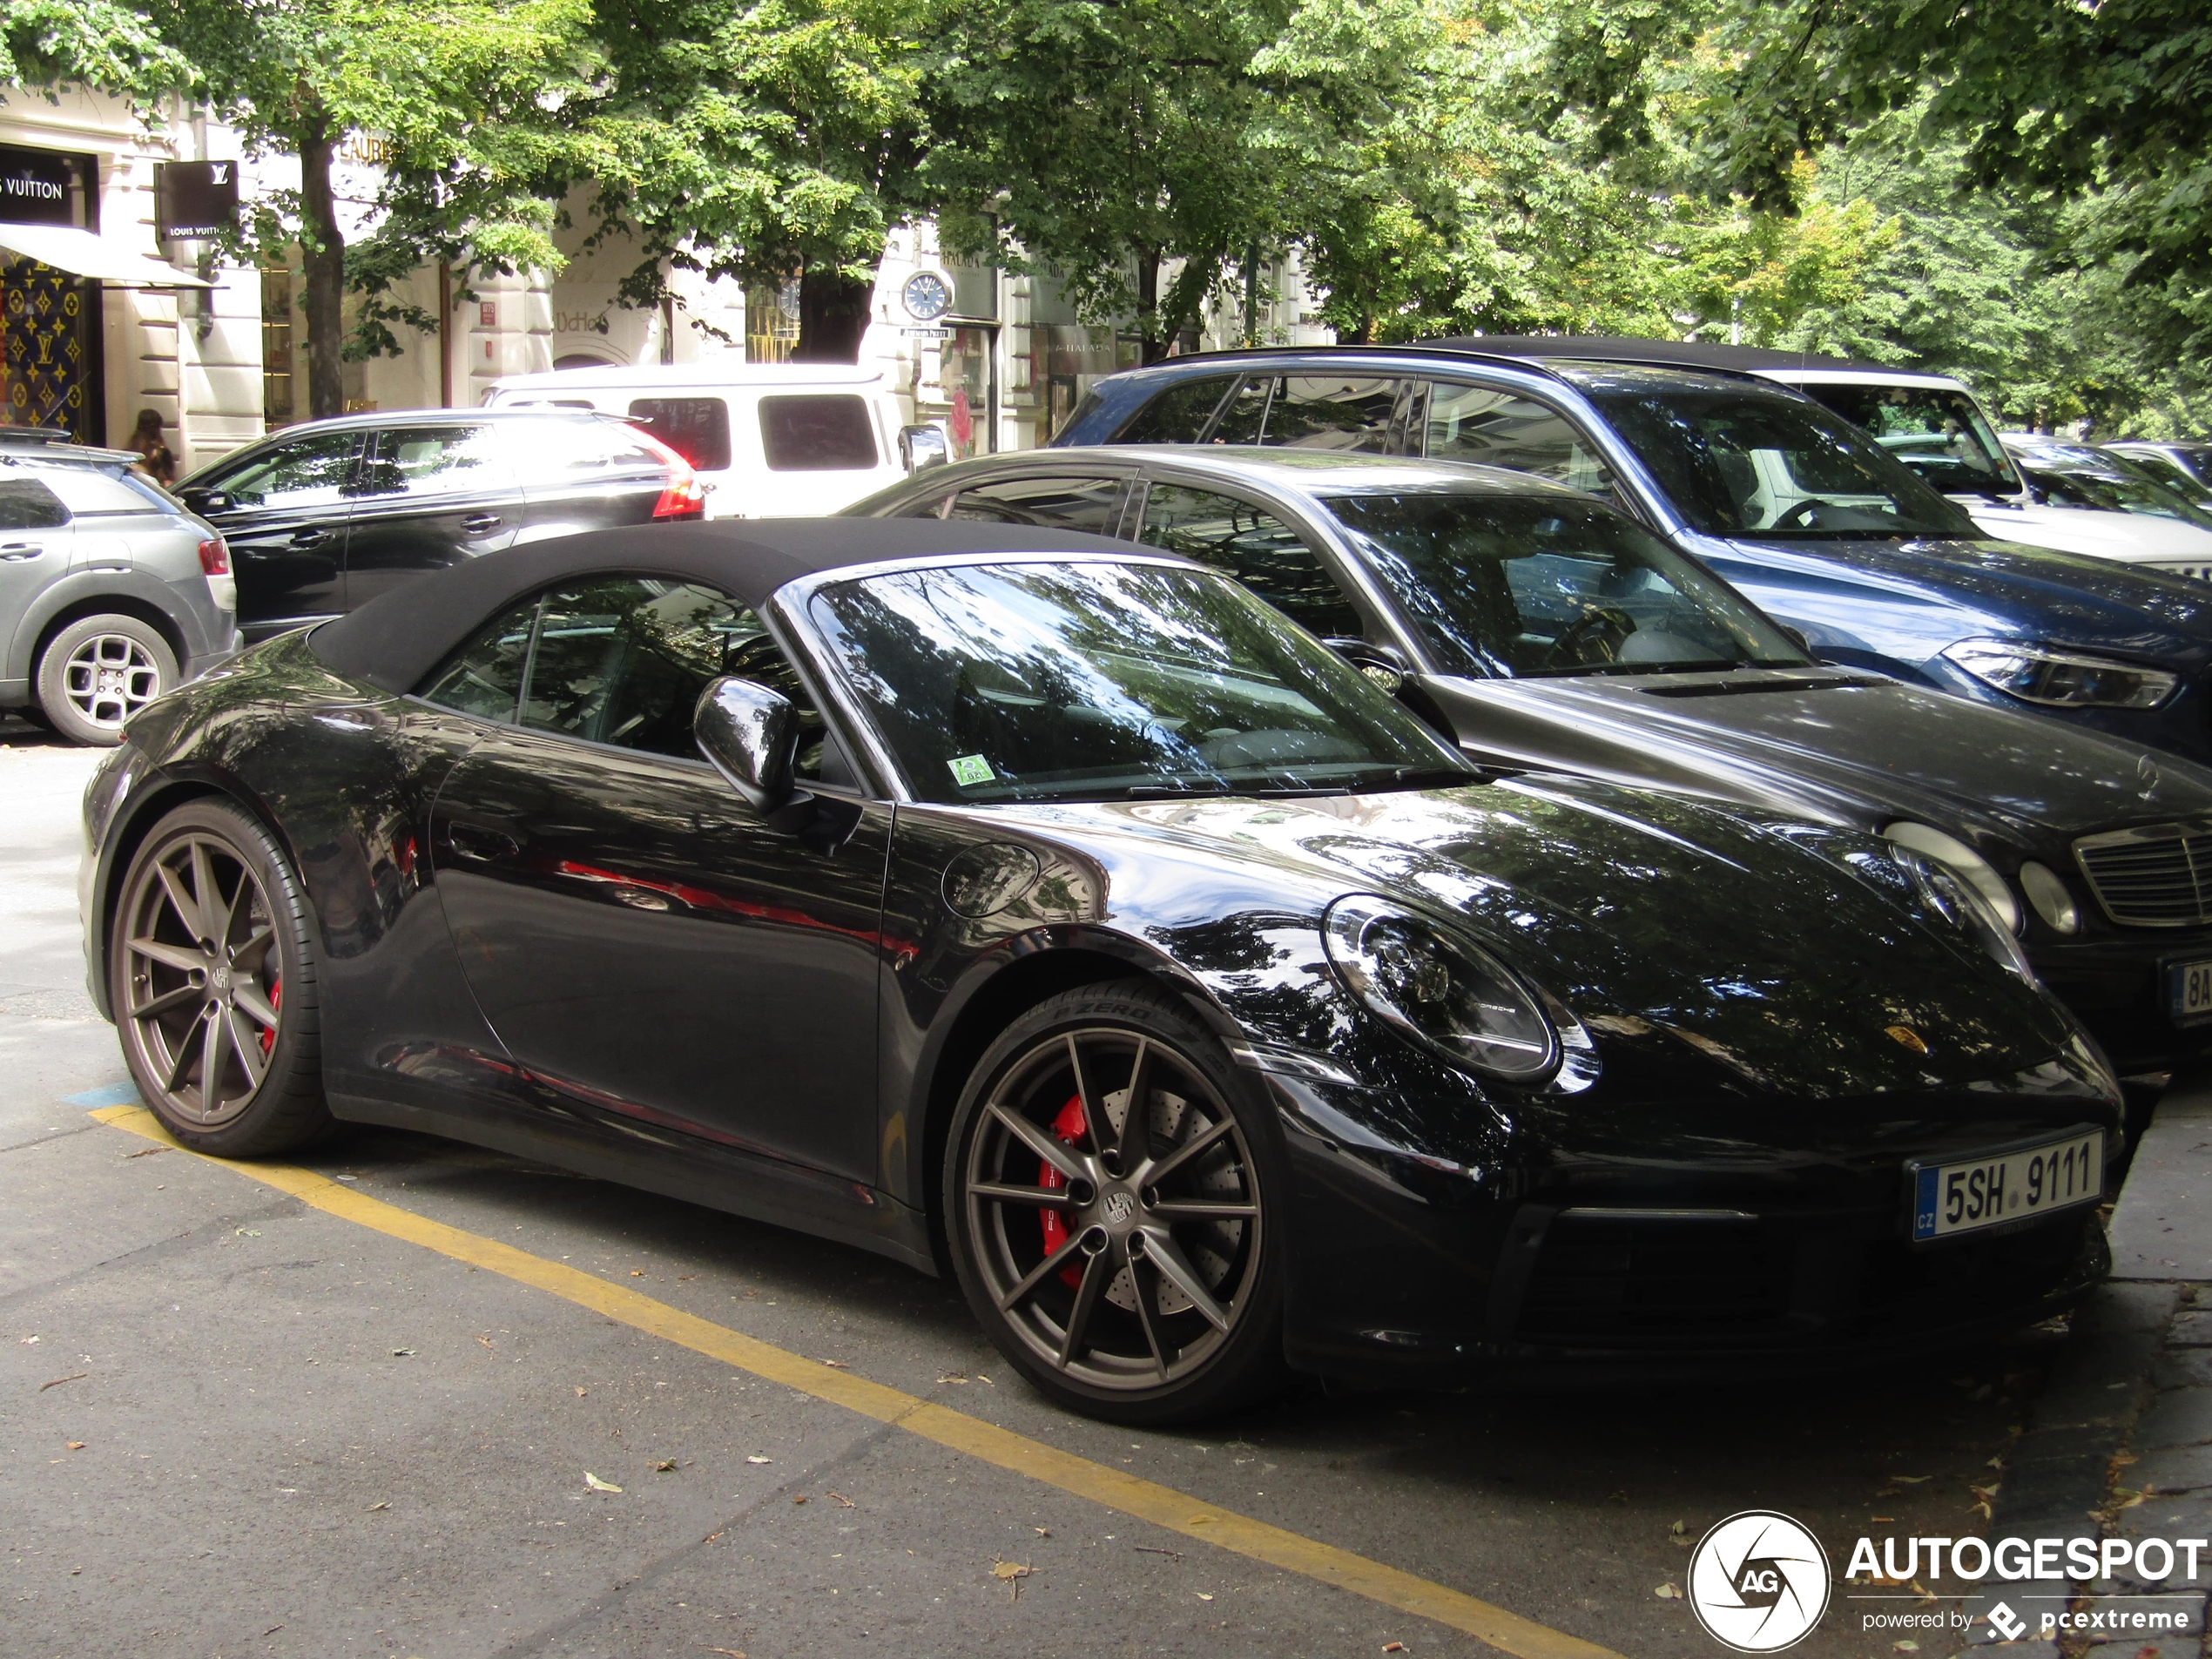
[1329, 412]
[1501, 429]
[820, 432]
[436, 460]
[1311, 412]
[1255, 547]
[26, 504]
[697, 428]
[484, 677]
[1178, 415]
[307, 472]
[567, 449]
[623, 660]
[1092, 505]
[931, 505]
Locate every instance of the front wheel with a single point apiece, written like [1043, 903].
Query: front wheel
[1107, 1205]
[211, 972]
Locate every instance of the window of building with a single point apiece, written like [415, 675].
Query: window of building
[278, 398]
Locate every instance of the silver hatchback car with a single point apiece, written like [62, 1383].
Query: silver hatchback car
[111, 593]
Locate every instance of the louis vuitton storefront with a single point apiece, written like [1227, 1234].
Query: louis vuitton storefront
[49, 337]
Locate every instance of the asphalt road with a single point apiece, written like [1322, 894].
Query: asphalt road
[235, 1424]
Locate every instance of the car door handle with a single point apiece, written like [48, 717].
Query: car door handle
[480, 842]
[16, 552]
[304, 539]
[477, 523]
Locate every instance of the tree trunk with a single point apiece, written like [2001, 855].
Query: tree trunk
[324, 252]
[1152, 344]
[832, 315]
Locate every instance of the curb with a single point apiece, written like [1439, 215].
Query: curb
[2135, 1376]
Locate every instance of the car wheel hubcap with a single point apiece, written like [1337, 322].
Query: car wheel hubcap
[1115, 1213]
[110, 678]
[201, 993]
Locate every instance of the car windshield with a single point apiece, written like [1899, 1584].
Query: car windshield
[1738, 461]
[1072, 682]
[1521, 586]
[2085, 479]
[1938, 432]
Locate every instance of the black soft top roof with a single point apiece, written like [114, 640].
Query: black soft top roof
[1613, 348]
[399, 637]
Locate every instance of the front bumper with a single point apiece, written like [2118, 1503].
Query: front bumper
[2115, 984]
[1720, 1261]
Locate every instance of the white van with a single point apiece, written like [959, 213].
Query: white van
[1933, 424]
[769, 440]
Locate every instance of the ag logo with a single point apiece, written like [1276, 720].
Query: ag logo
[1758, 1581]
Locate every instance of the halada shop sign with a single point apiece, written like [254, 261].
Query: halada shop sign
[35, 187]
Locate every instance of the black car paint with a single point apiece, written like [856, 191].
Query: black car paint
[1889, 605]
[1861, 750]
[1418, 1195]
[300, 565]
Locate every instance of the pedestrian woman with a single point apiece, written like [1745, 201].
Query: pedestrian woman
[154, 459]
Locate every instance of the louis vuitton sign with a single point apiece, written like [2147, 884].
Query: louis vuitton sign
[35, 187]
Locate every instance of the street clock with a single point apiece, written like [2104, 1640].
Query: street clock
[927, 296]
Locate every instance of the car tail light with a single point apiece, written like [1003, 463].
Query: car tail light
[683, 495]
[214, 556]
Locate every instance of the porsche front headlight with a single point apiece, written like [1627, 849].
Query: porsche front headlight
[2060, 679]
[1447, 993]
[1948, 850]
[1954, 900]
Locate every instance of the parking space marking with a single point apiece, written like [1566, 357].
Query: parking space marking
[1131, 1495]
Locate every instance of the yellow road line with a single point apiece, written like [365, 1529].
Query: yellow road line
[1145, 1500]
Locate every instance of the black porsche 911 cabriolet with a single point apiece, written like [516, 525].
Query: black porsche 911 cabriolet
[1023, 904]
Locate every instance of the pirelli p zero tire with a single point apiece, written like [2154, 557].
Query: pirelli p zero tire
[1111, 1196]
[211, 975]
[98, 671]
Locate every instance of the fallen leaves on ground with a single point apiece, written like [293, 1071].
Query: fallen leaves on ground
[75, 1446]
[637, 1272]
[1011, 1574]
[598, 1485]
[731, 1652]
[1986, 1496]
[74, 1375]
[249, 1232]
[580, 1393]
[1908, 1646]
[952, 1377]
[148, 1153]
[374, 1507]
[402, 1354]
[799, 1497]
[837, 1364]
[849, 1504]
[1393, 1647]
[667, 1465]
[1668, 1593]
[760, 1459]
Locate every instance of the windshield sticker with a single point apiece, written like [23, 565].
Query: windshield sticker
[970, 769]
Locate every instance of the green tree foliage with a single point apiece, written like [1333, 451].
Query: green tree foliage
[45, 43]
[1141, 149]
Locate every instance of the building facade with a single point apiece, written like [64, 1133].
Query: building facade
[100, 319]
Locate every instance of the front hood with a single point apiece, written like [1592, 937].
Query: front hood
[1682, 937]
[2022, 592]
[1843, 748]
[2097, 534]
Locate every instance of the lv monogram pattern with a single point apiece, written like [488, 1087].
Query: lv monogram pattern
[43, 318]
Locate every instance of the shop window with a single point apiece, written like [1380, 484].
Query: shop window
[278, 396]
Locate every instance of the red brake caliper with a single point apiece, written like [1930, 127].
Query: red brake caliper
[1071, 1128]
[268, 1032]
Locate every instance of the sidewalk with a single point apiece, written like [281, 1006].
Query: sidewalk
[2121, 1443]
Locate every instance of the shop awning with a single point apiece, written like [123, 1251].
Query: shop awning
[82, 253]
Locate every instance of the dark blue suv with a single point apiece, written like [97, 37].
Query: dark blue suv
[1796, 507]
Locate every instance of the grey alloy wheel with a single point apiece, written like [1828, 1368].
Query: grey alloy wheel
[1112, 1211]
[202, 979]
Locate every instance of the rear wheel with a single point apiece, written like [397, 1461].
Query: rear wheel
[1108, 1207]
[212, 976]
[99, 672]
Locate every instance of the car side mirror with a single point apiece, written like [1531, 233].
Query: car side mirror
[1382, 664]
[204, 502]
[922, 446]
[750, 735]
[1796, 636]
